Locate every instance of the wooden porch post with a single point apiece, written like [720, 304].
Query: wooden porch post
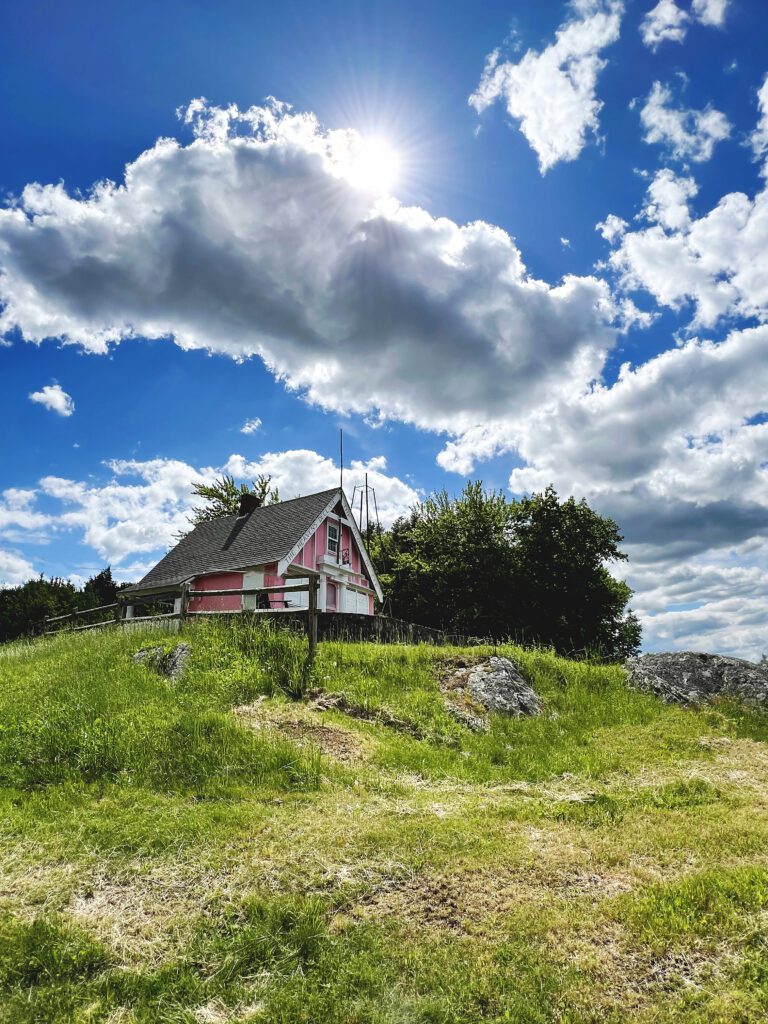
[184, 601]
[312, 616]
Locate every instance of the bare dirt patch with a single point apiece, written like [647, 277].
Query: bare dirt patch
[462, 901]
[305, 728]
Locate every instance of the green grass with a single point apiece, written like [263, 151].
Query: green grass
[77, 708]
[170, 856]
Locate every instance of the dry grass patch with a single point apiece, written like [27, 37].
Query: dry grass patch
[144, 915]
[216, 1012]
[741, 763]
[28, 889]
[626, 978]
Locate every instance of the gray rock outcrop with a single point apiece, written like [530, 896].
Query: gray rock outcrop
[492, 685]
[690, 679]
[167, 663]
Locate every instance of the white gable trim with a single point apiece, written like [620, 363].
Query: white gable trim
[285, 562]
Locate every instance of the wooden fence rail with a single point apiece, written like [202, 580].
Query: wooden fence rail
[187, 594]
[82, 611]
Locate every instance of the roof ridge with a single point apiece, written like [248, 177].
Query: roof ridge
[301, 497]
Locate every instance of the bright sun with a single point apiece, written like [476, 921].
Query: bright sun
[373, 165]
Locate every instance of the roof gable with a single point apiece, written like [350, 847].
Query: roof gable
[338, 503]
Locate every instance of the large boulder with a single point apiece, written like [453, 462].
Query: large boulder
[494, 684]
[689, 678]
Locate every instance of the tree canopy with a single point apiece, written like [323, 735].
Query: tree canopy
[534, 569]
[222, 497]
[23, 608]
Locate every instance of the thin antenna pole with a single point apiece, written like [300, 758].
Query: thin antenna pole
[376, 510]
[367, 515]
[361, 510]
[341, 459]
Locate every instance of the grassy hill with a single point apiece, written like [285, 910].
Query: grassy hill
[214, 850]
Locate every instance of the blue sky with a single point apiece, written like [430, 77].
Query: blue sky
[477, 327]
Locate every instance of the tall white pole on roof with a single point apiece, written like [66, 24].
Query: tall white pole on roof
[367, 516]
[341, 488]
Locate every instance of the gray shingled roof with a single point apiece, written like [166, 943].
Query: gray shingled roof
[237, 542]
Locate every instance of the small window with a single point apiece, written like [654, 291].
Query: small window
[333, 538]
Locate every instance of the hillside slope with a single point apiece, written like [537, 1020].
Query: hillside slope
[214, 850]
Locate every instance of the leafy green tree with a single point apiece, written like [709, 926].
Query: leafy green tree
[449, 562]
[535, 570]
[99, 590]
[23, 608]
[222, 497]
[564, 595]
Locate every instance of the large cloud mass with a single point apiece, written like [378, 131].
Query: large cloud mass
[252, 240]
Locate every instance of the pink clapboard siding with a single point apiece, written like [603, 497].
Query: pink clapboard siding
[218, 581]
[307, 556]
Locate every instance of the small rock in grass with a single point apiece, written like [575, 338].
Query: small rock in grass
[167, 663]
[492, 685]
[498, 686]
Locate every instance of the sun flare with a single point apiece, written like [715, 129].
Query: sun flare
[372, 164]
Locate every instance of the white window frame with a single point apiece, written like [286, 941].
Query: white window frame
[332, 543]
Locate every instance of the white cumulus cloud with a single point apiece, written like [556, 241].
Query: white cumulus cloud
[612, 227]
[718, 261]
[143, 505]
[304, 471]
[664, 22]
[686, 134]
[669, 22]
[759, 137]
[251, 426]
[553, 94]
[55, 398]
[710, 12]
[14, 569]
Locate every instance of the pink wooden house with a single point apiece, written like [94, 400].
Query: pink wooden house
[265, 547]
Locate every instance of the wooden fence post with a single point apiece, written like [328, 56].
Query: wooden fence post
[312, 617]
[119, 610]
[45, 624]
